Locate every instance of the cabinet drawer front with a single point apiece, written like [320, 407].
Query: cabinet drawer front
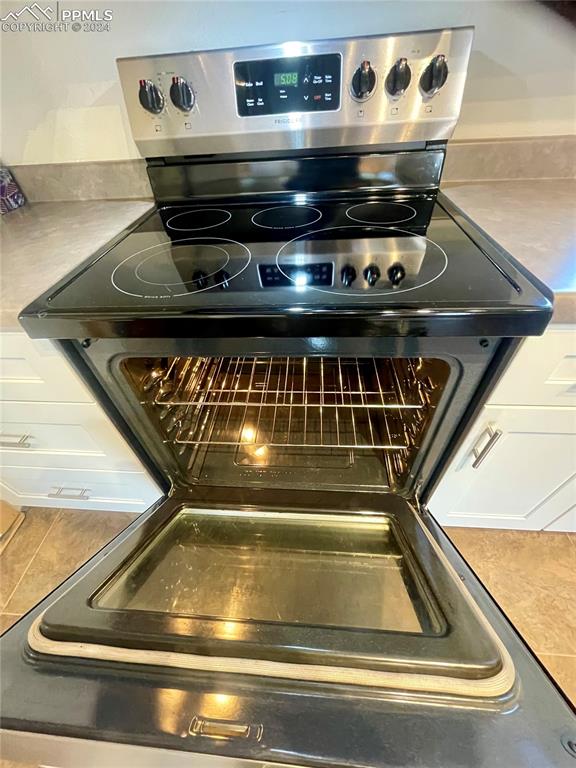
[542, 373]
[78, 489]
[70, 435]
[36, 370]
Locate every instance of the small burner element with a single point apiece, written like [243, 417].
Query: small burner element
[177, 265]
[378, 212]
[287, 217]
[195, 219]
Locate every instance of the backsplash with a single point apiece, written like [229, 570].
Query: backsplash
[483, 160]
[547, 157]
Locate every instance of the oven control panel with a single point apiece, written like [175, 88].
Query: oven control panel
[277, 86]
[357, 92]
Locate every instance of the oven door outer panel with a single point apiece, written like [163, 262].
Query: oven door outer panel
[304, 725]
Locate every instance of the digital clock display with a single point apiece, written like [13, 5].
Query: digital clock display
[285, 78]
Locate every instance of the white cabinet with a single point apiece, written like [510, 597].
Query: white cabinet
[78, 488]
[32, 369]
[69, 435]
[542, 373]
[57, 446]
[517, 467]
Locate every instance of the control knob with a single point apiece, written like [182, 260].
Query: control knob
[363, 81]
[222, 279]
[396, 273]
[181, 94]
[434, 76]
[347, 275]
[372, 274]
[151, 97]
[398, 78]
[200, 278]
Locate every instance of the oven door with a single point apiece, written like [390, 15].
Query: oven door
[240, 624]
[306, 588]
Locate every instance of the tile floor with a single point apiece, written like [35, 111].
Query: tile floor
[50, 545]
[532, 575]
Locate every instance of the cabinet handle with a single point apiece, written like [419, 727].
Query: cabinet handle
[15, 441]
[77, 493]
[480, 454]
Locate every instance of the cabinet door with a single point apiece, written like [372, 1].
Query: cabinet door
[517, 469]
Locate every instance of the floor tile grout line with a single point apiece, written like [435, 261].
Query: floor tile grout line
[25, 571]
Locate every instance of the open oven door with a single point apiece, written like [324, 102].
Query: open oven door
[247, 630]
[358, 594]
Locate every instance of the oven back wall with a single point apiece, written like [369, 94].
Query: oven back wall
[520, 81]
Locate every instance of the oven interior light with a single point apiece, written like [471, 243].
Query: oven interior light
[248, 435]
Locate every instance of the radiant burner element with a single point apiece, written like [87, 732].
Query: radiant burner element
[377, 212]
[173, 270]
[287, 217]
[368, 261]
[182, 261]
[196, 219]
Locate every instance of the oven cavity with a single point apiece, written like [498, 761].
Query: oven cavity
[355, 423]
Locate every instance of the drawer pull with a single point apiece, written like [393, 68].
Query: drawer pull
[480, 453]
[70, 493]
[15, 441]
[224, 729]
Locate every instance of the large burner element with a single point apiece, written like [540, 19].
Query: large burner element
[172, 270]
[377, 212]
[386, 260]
[195, 219]
[287, 217]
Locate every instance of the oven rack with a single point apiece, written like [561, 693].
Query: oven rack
[313, 403]
[293, 381]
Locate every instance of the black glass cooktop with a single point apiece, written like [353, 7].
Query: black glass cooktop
[336, 253]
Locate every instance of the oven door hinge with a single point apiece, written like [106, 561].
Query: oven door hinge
[417, 494]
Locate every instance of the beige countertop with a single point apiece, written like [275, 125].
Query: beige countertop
[41, 242]
[535, 221]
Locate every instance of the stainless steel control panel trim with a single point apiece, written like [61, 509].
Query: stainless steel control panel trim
[213, 125]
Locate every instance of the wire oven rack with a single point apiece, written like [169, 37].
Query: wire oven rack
[313, 403]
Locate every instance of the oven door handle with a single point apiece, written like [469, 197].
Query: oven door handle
[494, 434]
[225, 729]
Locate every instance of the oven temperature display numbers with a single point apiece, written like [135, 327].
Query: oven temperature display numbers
[277, 86]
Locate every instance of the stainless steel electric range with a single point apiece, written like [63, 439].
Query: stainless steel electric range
[295, 341]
